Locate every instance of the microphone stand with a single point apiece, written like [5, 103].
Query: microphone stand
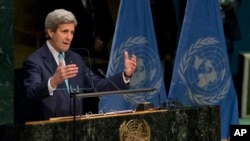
[73, 93]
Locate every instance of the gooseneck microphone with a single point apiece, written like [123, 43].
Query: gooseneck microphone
[117, 88]
[81, 51]
[91, 82]
[89, 62]
[101, 72]
[91, 78]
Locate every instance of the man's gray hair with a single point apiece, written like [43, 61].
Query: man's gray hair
[57, 17]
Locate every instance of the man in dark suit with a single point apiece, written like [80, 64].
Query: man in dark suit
[48, 78]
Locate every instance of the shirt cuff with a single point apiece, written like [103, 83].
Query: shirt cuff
[51, 89]
[124, 79]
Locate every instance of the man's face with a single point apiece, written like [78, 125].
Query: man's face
[62, 37]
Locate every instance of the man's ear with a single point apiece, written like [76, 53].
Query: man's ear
[50, 33]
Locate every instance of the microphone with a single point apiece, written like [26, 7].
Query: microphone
[113, 84]
[101, 72]
[85, 56]
[91, 82]
[91, 78]
[77, 50]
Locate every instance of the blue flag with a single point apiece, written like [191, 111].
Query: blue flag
[201, 73]
[135, 33]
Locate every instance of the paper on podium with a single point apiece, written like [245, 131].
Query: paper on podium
[91, 115]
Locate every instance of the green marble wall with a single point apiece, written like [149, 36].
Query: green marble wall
[6, 61]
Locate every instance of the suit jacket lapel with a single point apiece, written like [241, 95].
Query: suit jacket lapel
[49, 61]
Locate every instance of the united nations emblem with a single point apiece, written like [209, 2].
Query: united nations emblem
[147, 70]
[134, 130]
[204, 71]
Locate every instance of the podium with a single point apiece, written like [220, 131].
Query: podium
[188, 123]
